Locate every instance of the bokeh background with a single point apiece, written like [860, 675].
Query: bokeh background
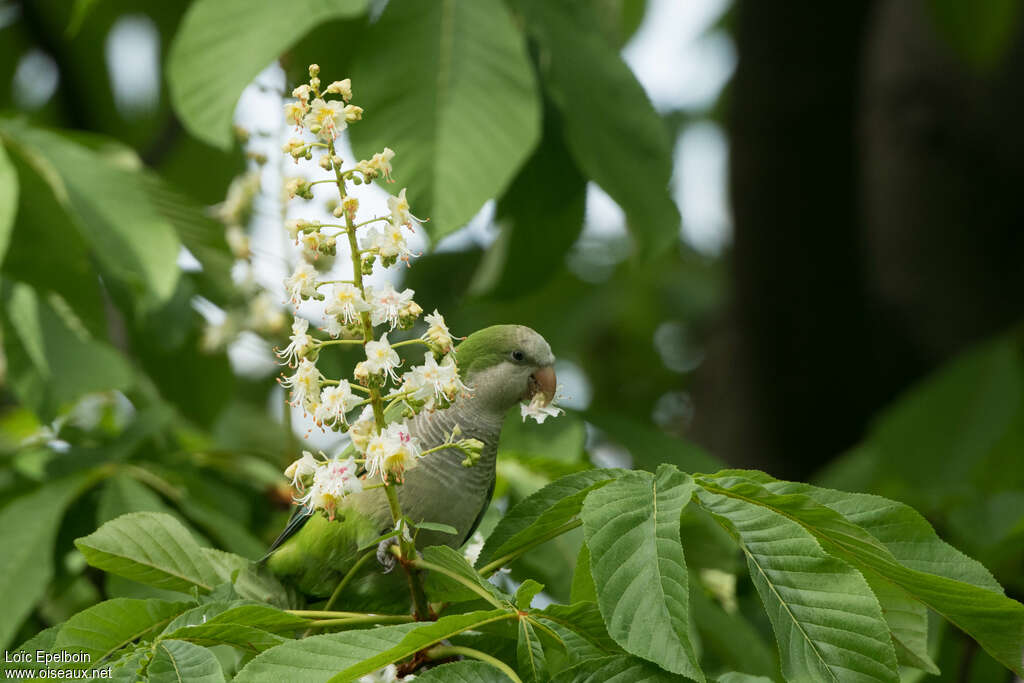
[756, 234]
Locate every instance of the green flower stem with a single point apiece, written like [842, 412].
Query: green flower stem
[357, 278]
[430, 566]
[408, 549]
[360, 621]
[394, 399]
[445, 651]
[396, 509]
[321, 283]
[333, 614]
[352, 171]
[410, 341]
[435, 449]
[307, 145]
[334, 342]
[349, 575]
[372, 220]
[497, 564]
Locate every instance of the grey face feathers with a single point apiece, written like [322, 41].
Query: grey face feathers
[505, 364]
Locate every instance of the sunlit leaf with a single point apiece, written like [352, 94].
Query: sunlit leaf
[466, 671]
[827, 621]
[263, 617]
[618, 669]
[151, 548]
[423, 636]
[317, 658]
[105, 628]
[126, 669]
[532, 664]
[543, 512]
[443, 588]
[988, 616]
[526, 592]
[254, 581]
[582, 580]
[437, 526]
[243, 636]
[632, 530]
[908, 624]
[462, 67]
[223, 44]
[577, 648]
[175, 661]
[582, 618]
[913, 543]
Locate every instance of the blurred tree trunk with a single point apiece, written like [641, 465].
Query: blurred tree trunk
[942, 175]
[875, 184]
[796, 359]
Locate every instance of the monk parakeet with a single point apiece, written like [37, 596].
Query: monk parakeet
[502, 365]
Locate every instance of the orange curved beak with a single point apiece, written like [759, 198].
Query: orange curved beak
[544, 382]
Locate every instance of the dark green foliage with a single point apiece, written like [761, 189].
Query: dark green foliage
[835, 572]
[140, 473]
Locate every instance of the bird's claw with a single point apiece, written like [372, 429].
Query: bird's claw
[385, 557]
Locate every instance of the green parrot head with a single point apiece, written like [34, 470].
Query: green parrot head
[506, 364]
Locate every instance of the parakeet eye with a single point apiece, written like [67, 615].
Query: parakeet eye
[518, 356]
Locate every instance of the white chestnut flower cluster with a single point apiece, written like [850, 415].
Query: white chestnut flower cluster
[358, 314]
[255, 309]
[315, 111]
[323, 482]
